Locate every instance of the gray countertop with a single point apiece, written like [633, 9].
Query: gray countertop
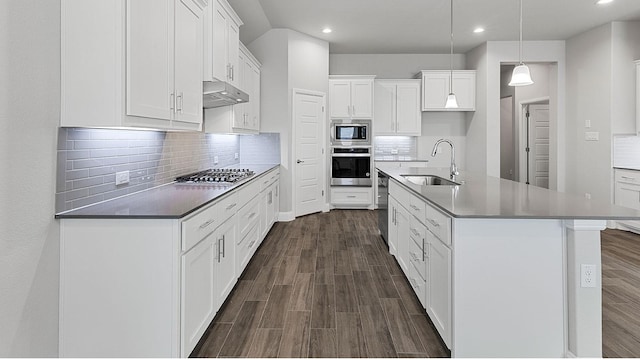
[170, 201]
[398, 158]
[482, 196]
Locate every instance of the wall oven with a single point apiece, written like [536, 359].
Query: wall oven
[347, 132]
[351, 166]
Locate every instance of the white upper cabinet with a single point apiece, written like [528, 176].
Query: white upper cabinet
[397, 108]
[240, 118]
[222, 43]
[435, 88]
[132, 63]
[351, 97]
[637, 62]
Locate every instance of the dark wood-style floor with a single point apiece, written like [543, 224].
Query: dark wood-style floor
[325, 285]
[620, 294]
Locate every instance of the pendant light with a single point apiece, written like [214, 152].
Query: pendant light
[521, 75]
[452, 102]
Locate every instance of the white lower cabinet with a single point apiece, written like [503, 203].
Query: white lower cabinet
[351, 197]
[627, 194]
[198, 299]
[151, 287]
[420, 239]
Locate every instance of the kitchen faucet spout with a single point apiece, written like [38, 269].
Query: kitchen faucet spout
[454, 168]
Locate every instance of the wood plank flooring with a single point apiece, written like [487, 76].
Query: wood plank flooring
[620, 294]
[323, 285]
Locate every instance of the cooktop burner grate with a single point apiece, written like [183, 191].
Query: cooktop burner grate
[216, 176]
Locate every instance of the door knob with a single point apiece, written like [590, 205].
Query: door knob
[299, 161]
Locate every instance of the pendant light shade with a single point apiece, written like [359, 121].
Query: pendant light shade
[521, 75]
[452, 102]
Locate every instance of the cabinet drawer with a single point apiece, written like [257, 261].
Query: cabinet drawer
[207, 220]
[439, 224]
[418, 284]
[627, 176]
[417, 207]
[248, 191]
[351, 196]
[248, 216]
[247, 247]
[268, 179]
[417, 255]
[399, 193]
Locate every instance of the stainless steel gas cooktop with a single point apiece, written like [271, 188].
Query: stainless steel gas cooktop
[216, 176]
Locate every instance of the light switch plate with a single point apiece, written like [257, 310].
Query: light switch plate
[122, 177]
[215, 159]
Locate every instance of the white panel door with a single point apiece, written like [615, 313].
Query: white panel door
[188, 61]
[309, 133]
[340, 98]
[409, 117]
[362, 99]
[150, 58]
[385, 108]
[198, 303]
[539, 145]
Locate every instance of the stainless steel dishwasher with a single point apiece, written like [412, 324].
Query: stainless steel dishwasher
[383, 205]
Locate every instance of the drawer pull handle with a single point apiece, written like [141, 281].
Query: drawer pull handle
[628, 178]
[251, 244]
[415, 207]
[434, 223]
[265, 182]
[231, 206]
[423, 250]
[351, 196]
[207, 223]
[415, 232]
[251, 215]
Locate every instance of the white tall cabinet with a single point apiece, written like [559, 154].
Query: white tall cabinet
[132, 63]
[351, 96]
[397, 107]
[435, 88]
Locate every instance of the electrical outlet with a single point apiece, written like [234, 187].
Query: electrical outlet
[587, 123]
[235, 156]
[592, 136]
[587, 275]
[215, 159]
[394, 151]
[122, 177]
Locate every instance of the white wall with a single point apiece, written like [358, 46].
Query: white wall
[601, 88]
[483, 135]
[29, 235]
[289, 60]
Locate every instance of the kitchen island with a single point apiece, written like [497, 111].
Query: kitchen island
[498, 264]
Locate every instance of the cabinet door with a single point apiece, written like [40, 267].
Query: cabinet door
[276, 201]
[220, 63]
[402, 224]
[435, 88]
[150, 58]
[188, 61]
[197, 297]
[240, 110]
[340, 98]
[464, 86]
[627, 195]
[439, 283]
[362, 99]
[255, 100]
[225, 270]
[385, 108]
[393, 229]
[233, 50]
[408, 110]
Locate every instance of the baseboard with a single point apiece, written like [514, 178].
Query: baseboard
[286, 216]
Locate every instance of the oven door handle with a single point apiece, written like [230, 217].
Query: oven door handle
[350, 155]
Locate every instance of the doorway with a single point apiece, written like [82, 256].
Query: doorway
[534, 139]
[309, 139]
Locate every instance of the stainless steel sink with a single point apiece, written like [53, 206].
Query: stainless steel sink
[429, 180]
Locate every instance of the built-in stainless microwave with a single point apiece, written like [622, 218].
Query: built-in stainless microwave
[349, 132]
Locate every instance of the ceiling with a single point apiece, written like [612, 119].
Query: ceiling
[422, 26]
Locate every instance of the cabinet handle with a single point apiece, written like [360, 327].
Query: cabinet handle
[207, 223]
[434, 223]
[233, 72]
[223, 246]
[218, 249]
[172, 101]
[414, 207]
[354, 110]
[351, 196]
[251, 215]
[423, 250]
[231, 206]
[180, 102]
[229, 71]
[414, 231]
[251, 244]
[628, 178]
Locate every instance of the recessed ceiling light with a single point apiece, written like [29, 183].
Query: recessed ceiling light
[326, 30]
[478, 30]
[602, 2]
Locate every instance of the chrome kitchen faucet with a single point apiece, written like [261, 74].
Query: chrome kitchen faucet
[454, 168]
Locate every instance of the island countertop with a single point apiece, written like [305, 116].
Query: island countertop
[481, 196]
[170, 201]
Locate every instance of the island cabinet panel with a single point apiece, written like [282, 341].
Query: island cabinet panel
[509, 276]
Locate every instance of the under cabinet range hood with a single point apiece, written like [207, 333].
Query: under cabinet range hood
[220, 93]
